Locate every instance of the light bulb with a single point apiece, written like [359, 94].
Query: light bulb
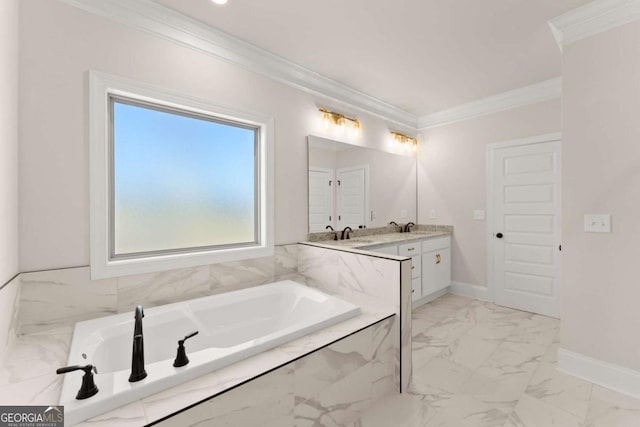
[219, 2]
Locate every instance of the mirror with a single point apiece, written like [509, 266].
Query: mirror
[358, 187]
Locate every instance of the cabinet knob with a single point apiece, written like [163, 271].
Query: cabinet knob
[438, 259]
[413, 291]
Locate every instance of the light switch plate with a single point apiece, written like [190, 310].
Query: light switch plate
[478, 215]
[597, 223]
[432, 214]
[403, 214]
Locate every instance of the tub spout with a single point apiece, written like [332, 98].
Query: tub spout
[137, 357]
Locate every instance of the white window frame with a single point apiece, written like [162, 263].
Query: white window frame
[101, 87]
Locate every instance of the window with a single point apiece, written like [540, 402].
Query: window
[175, 182]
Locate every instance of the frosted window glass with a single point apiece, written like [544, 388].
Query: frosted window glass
[180, 181]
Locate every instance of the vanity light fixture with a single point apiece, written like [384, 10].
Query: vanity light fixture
[219, 2]
[404, 139]
[337, 119]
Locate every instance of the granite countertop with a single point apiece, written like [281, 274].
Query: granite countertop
[378, 240]
[375, 241]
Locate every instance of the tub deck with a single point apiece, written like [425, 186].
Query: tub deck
[32, 383]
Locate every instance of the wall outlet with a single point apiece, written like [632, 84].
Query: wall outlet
[403, 213]
[597, 223]
[478, 215]
[432, 214]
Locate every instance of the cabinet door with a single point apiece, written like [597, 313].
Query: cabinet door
[416, 288]
[429, 272]
[416, 266]
[442, 268]
[436, 270]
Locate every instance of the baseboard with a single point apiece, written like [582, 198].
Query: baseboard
[469, 290]
[609, 375]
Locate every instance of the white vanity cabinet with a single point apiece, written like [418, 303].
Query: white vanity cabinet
[430, 265]
[436, 264]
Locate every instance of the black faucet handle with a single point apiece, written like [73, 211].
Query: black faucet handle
[192, 334]
[88, 387]
[181, 357]
[87, 369]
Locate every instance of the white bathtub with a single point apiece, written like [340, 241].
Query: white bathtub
[231, 326]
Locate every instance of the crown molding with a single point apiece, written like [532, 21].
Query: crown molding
[166, 23]
[593, 18]
[532, 94]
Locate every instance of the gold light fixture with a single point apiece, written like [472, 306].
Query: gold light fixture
[404, 139]
[337, 119]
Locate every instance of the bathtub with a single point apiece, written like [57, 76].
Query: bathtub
[231, 327]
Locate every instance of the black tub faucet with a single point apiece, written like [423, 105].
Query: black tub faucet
[137, 357]
[328, 227]
[346, 230]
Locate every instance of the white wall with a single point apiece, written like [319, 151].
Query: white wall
[8, 139]
[601, 174]
[59, 44]
[452, 177]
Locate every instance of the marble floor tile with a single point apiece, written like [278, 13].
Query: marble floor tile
[608, 408]
[452, 301]
[399, 409]
[467, 411]
[566, 392]
[479, 364]
[531, 412]
[433, 313]
[473, 313]
[470, 351]
[441, 374]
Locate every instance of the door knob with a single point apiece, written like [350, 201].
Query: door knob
[499, 235]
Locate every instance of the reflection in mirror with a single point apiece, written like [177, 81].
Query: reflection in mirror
[353, 186]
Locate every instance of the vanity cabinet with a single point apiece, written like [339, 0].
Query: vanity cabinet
[430, 265]
[436, 264]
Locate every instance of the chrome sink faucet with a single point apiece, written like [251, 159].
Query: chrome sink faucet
[137, 357]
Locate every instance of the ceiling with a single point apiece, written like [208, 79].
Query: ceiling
[422, 56]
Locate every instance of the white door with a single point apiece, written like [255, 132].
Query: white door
[352, 196]
[320, 199]
[525, 228]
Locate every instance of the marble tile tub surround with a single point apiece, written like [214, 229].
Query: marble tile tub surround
[330, 387]
[371, 281]
[477, 364]
[340, 357]
[377, 231]
[55, 298]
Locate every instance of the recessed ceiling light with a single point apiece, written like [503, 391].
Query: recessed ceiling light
[219, 2]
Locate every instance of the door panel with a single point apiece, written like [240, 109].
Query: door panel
[526, 203]
[352, 197]
[320, 199]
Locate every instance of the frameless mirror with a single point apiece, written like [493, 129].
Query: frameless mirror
[353, 186]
